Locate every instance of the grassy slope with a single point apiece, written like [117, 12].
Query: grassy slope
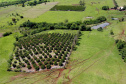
[104, 64]
[6, 49]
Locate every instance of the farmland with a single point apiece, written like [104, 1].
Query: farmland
[95, 59]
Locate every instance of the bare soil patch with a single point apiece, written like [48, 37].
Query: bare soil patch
[1, 35]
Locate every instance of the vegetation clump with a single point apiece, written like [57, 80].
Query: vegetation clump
[67, 8]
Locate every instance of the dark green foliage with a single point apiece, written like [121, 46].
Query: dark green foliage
[98, 20]
[124, 7]
[45, 62]
[100, 29]
[111, 32]
[105, 8]
[36, 68]
[12, 3]
[60, 64]
[115, 3]
[7, 33]
[14, 65]
[67, 8]
[48, 66]
[21, 17]
[121, 45]
[43, 67]
[55, 63]
[29, 67]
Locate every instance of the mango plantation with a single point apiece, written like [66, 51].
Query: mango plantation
[43, 51]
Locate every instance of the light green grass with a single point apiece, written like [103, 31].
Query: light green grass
[94, 11]
[7, 0]
[121, 2]
[105, 65]
[6, 49]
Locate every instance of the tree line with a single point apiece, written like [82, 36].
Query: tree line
[2, 4]
[33, 27]
[67, 8]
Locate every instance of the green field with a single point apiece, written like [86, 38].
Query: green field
[7, 0]
[96, 59]
[6, 50]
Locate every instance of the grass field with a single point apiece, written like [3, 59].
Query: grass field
[7, 0]
[6, 49]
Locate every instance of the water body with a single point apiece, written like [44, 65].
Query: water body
[101, 25]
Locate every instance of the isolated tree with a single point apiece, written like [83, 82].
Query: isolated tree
[105, 8]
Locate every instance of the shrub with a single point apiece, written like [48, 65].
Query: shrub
[43, 67]
[40, 63]
[100, 29]
[29, 67]
[105, 8]
[45, 62]
[14, 65]
[36, 68]
[48, 66]
[21, 17]
[111, 32]
[7, 33]
[55, 63]
[60, 64]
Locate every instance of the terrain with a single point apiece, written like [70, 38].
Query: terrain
[96, 59]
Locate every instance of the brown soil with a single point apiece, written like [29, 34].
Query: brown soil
[1, 35]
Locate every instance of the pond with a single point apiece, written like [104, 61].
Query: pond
[101, 25]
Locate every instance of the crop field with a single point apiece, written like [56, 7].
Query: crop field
[95, 58]
[42, 52]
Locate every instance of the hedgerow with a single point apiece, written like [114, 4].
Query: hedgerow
[67, 8]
